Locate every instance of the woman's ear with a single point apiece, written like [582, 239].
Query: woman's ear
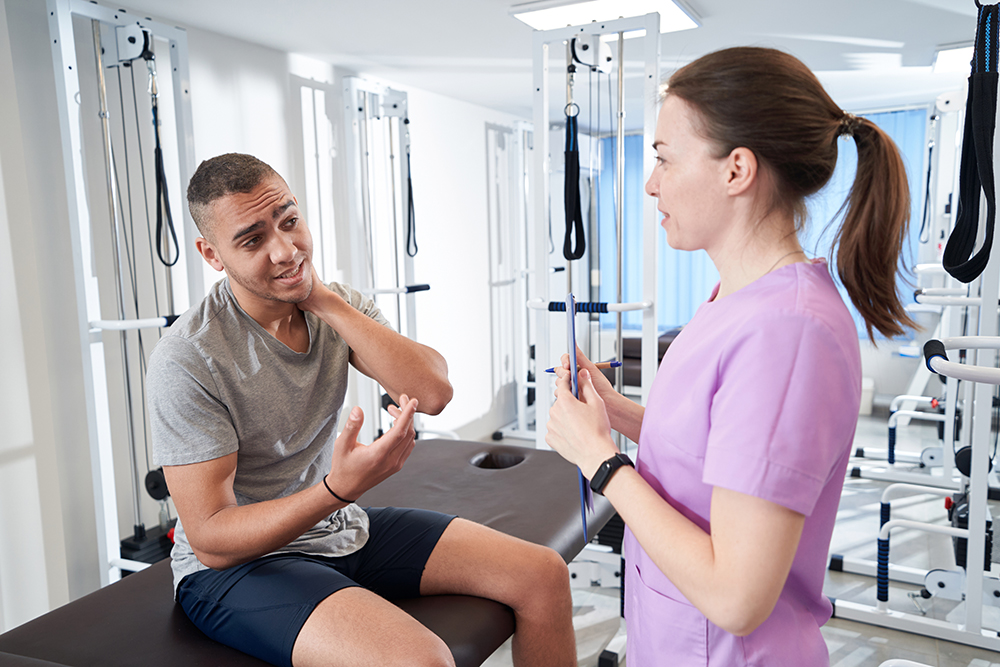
[740, 171]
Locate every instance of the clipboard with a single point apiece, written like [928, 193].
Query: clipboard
[586, 496]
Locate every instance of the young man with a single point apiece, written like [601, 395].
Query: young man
[272, 556]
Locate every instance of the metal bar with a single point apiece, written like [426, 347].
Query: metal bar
[120, 299]
[928, 627]
[129, 325]
[539, 304]
[395, 224]
[620, 212]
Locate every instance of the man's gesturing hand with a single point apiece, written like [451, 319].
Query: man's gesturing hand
[357, 467]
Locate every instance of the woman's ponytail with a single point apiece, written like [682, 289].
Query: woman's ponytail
[871, 238]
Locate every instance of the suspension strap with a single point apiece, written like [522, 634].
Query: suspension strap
[573, 248]
[411, 216]
[976, 170]
[162, 200]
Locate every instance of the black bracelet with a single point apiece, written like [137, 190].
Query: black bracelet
[343, 500]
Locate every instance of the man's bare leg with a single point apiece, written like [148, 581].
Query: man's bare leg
[532, 580]
[356, 628]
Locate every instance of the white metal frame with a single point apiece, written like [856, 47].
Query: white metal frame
[364, 101]
[61, 13]
[544, 41]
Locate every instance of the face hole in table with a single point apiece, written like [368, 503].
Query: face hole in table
[496, 460]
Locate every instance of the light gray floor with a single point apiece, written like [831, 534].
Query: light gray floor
[851, 644]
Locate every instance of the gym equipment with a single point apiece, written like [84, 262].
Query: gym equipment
[547, 336]
[119, 40]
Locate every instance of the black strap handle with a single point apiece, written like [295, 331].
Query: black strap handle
[573, 249]
[933, 348]
[976, 169]
[162, 200]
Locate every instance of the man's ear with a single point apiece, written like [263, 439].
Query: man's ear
[740, 171]
[208, 251]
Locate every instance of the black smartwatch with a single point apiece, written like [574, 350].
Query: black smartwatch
[607, 469]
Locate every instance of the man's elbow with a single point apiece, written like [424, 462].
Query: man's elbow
[214, 559]
[436, 400]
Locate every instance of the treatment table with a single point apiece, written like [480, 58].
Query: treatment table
[528, 493]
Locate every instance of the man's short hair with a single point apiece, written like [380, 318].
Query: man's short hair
[220, 176]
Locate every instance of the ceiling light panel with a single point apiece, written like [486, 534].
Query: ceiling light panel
[957, 59]
[547, 16]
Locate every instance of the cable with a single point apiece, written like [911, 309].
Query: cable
[925, 232]
[145, 198]
[131, 257]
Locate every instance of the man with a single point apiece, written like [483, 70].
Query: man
[272, 556]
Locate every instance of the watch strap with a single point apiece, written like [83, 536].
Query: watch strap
[607, 470]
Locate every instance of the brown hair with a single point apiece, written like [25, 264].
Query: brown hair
[770, 103]
[220, 176]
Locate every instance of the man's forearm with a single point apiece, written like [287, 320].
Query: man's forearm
[396, 362]
[240, 533]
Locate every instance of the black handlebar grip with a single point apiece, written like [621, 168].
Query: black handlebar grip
[933, 348]
[410, 289]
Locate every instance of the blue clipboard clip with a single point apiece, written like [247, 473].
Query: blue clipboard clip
[586, 496]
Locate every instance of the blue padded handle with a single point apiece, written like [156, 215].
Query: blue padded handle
[883, 571]
[581, 307]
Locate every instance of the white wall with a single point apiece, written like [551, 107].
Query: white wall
[24, 590]
[448, 140]
[48, 537]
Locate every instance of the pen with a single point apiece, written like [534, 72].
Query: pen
[603, 364]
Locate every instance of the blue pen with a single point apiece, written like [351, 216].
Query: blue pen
[603, 364]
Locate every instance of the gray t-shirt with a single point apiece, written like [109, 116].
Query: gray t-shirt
[219, 383]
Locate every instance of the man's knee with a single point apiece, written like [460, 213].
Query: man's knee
[430, 652]
[548, 576]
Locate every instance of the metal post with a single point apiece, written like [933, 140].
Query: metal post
[620, 209]
[395, 227]
[140, 530]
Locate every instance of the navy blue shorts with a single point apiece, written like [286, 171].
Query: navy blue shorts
[260, 607]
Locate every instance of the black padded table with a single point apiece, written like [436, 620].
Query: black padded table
[524, 492]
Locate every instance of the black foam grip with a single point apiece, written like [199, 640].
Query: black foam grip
[933, 348]
[170, 319]
[410, 289]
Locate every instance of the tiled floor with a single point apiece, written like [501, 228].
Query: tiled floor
[851, 644]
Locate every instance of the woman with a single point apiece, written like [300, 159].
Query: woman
[748, 428]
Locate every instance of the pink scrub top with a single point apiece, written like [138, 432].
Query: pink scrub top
[758, 394]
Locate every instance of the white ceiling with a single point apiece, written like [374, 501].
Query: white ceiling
[869, 53]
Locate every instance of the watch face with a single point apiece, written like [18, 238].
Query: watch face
[601, 477]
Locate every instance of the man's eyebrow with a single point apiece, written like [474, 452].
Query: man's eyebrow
[658, 143]
[277, 213]
[281, 209]
[247, 230]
